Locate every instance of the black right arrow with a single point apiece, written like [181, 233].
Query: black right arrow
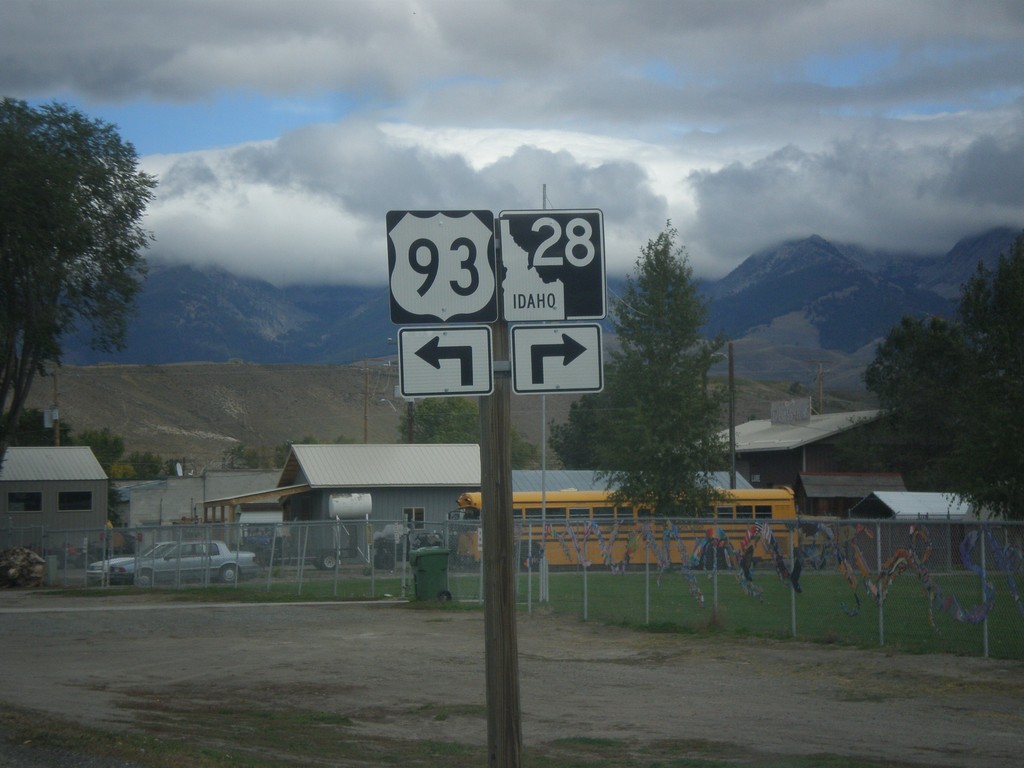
[568, 350]
[433, 353]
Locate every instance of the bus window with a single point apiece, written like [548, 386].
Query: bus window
[744, 511]
[723, 512]
[551, 514]
[763, 512]
[624, 514]
[604, 513]
[576, 513]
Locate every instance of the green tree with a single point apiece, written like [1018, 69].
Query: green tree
[71, 199]
[952, 392]
[918, 375]
[524, 454]
[31, 430]
[990, 451]
[107, 447]
[654, 434]
[457, 420]
[140, 465]
[443, 420]
[575, 441]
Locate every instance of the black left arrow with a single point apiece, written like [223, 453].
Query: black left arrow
[433, 353]
[568, 350]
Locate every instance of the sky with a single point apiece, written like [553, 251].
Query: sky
[281, 133]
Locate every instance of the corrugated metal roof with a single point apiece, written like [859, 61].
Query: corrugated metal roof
[762, 435]
[848, 485]
[382, 465]
[556, 480]
[34, 464]
[922, 505]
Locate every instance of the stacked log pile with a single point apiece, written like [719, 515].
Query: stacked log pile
[21, 567]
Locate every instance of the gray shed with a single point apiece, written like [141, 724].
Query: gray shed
[53, 489]
[418, 484]
[908, 505]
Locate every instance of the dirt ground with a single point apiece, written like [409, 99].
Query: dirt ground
[97, 661]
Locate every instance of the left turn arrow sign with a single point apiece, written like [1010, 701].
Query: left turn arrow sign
[445, 361]
[433, 353]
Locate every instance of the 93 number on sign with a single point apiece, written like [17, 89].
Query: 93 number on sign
[442, 266]
[429, 268]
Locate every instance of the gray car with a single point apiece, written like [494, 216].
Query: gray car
[174, 562]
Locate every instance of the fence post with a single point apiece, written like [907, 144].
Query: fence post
[405, 559]
[529, 569]
[270, 565]
[881, 603]
[984, 577]
[647, 581]
[302, 557]
[714, 581]
[585, 602]
[792, 589]
[371, 555]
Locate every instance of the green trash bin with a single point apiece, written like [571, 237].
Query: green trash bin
[430, 573]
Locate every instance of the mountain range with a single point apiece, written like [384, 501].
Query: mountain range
[793, 310]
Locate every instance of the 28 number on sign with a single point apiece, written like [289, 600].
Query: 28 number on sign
[553, 265]
[579, 232]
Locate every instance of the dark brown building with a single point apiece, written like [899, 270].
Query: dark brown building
[775, 452]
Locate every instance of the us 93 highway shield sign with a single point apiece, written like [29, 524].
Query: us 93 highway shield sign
[442, 267]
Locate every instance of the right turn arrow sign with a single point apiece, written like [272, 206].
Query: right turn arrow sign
[556, 358]
[568, 350]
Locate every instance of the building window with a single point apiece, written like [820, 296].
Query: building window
[74, 501]
[25, 501]
[414, 517]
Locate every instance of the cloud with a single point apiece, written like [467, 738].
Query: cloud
[311, 206]
[877, 194]
[894, 125]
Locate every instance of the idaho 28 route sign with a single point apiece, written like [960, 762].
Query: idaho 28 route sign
[554, 265]
[441, 266]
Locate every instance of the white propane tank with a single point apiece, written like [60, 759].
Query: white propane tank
[351, 506]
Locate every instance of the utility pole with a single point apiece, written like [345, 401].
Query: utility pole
[56, 409]
[821, 390]
[732, 421]
[501, 649]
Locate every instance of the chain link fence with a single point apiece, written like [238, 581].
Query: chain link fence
[921, 586]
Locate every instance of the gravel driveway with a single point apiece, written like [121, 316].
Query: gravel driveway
[97, 660]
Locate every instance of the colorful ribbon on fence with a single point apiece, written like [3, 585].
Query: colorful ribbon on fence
[1008, 560]
[908, 558]
[841, 542]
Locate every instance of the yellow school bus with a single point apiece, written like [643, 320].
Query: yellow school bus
[576, 527]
